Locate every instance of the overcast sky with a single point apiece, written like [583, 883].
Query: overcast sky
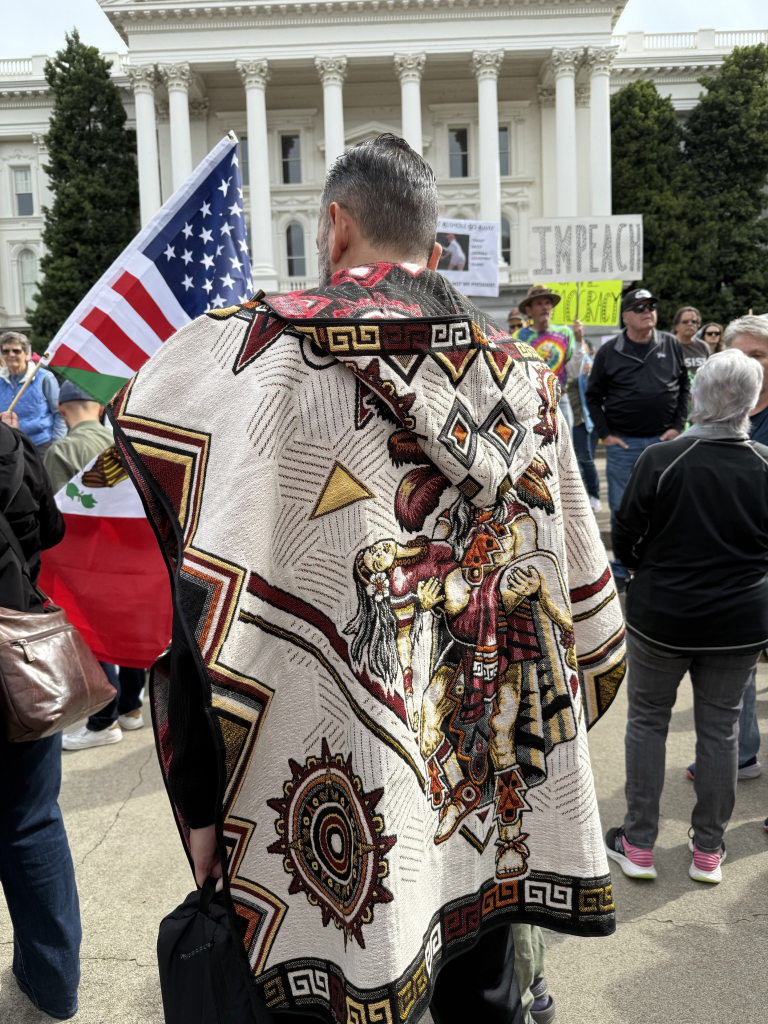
[38, 26]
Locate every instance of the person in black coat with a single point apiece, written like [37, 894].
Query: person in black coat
[693, 528]
[36, 868]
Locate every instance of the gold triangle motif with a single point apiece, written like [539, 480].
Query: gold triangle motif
[341, 489]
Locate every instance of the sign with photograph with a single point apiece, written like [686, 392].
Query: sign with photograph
[595, 303]
[470, 259]
[585, 248]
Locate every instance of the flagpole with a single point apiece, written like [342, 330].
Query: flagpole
[26, 384]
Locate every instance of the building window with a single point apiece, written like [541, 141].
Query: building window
[458, 152]
[22, 186]
[504, 161]
[297, 263]
[506, 240]
[28, 275]
[245, 176]
[291, 155]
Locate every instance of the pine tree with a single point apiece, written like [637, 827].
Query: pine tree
[651, 178]
[726, 147]
[92, 175]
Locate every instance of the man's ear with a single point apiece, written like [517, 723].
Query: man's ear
[434, 259]
[338, 234]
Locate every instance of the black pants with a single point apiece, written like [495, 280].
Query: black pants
[128, 683]
[476, 987]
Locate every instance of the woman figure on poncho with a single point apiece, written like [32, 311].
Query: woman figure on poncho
[504, 643]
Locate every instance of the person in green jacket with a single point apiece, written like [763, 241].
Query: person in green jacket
[86, 437]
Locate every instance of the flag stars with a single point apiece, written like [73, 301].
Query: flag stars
[236, 264]
[224, 186]
[217, 303]
[205, 209]
[207, 261]
[227, 281]
[187, 257]
[187, 230]
[206, 235]
[219, 250]
[169, 252]
[243, 245]
[235, 210]
[187, 283]
[226, 228]
[207, 287]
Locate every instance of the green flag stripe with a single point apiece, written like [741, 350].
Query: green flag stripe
[100, 386]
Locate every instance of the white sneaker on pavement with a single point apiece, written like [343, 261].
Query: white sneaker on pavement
[84, 738]
[131, 720]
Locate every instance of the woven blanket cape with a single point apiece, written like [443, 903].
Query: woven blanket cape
[384, 556]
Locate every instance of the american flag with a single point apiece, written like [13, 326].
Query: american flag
[190, 258]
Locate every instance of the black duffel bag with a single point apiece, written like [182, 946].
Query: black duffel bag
[202, 978]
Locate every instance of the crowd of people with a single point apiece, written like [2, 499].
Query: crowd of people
[683, 420]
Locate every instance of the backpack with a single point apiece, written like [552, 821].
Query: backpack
[202, 978]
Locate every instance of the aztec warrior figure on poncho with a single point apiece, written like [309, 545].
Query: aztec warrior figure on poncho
[394, 620]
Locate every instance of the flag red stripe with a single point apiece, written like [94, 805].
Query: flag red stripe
[114, 338]
[137, 296]
[65, 356]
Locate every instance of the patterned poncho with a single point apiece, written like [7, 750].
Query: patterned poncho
[387, 567]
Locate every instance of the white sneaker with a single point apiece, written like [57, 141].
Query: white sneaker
[699, 874]
[595, 504]
[85, 738]
[131, 720]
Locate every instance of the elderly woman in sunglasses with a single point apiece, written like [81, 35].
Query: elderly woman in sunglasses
[37, 410]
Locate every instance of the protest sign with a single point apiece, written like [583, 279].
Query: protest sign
[585, 248]
[470, 257]
[595, 303]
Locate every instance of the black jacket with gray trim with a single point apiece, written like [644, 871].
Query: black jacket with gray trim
[693, 523]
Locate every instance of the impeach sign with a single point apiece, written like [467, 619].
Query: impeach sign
[586, 248]
[595, 303]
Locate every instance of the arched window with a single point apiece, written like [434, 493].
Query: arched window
[297, 263]
[506, 241]
[28, 276]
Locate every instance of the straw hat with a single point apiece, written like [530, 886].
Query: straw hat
[538, 291]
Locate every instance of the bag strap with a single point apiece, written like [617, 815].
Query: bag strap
[207, 894]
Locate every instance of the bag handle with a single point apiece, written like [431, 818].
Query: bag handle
[207, 894]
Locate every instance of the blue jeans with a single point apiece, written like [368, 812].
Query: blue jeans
[619, 463]
[128, 682]
[749, 730]
[585, 444]
[38, 877]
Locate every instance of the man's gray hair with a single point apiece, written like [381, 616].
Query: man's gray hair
[725, 389]
[391, 193]
[20, 339]
[757, 326]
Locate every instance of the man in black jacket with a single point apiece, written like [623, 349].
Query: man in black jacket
[638, 394]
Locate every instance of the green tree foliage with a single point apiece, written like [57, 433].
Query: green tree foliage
[700, 188]
[726, 148]
[649, 178]
[92, 175]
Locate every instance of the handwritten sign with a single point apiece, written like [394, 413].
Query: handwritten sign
[595, 303]
[586, 248]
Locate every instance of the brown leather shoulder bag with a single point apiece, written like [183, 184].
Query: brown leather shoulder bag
[49, 679]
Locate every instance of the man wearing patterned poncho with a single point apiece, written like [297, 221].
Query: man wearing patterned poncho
[394, 623]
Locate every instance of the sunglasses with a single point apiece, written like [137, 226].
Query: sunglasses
[712, 334]
[12, 351]
[644, 307]
[689, 323]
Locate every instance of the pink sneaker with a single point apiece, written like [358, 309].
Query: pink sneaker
[634, 862]
[706, 866]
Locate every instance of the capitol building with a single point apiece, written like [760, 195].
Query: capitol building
[508, 100]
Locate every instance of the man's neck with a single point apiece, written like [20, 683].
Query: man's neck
[640, 337]
[543, 326]
[684, 341]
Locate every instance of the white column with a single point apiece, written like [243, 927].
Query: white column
[599, 63]
[333, 71]
[255, 75]
[409, 68]
[143, 85]
[486, 65]
[564, 64]
[546, 96]
[178, 78]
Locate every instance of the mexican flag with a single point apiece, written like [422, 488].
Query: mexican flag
[108, 573]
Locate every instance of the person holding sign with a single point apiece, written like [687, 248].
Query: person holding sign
[556, 345]
[638, 394]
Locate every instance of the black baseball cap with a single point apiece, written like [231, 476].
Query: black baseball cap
[635, 297]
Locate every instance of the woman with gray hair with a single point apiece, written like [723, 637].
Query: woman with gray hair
[693, 528]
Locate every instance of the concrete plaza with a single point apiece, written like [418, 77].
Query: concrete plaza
[683, 952]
